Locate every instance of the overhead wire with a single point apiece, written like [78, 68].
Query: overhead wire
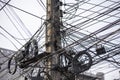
[41, 35]
[96, 32]
[87, 17]
[13, 23]
[20, 22]
[88, 26]
[97, 21]
[97, 43]
[31, 38]
[23, 10]
[92, 13]
[90, 8]
[98, 16]
[79, 43]
[75, 4]
[73, 9]
[76, 33]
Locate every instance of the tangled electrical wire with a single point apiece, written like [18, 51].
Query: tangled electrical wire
[81, 48]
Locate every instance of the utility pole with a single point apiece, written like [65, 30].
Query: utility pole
[53, 38]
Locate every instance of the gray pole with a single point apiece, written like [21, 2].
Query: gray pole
[53, 38]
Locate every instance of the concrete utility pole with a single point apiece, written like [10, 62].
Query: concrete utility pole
[53, 38]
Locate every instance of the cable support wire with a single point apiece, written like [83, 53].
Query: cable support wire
[73, 29]
[112, 33]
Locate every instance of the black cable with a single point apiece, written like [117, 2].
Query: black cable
[75, 4]
[98, 16]
[90, 8]
[74, 43]
[89, 50]
[89, 25]
[87, 17]
[97, 11]
[97, 21]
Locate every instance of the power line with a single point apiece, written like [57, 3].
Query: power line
[23, 11]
